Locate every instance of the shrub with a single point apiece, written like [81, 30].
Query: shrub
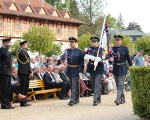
[140, 82]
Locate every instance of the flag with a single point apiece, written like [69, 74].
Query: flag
[105, 45]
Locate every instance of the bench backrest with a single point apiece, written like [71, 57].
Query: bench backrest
[36, 84]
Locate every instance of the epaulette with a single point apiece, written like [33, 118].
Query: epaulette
[78, 49]
[124, 46]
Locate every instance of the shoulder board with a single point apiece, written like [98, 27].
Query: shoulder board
[78, 49]
[124, 46]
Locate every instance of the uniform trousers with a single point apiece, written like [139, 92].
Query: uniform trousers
[5, 89]
[74, 89]
[120, 87]
[24, 83]
[96, 82]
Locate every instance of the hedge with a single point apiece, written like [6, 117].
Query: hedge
[140, 85]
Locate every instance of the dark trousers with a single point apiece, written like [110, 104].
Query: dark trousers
[24, 83]
[5, 89]
[61, 85]
[104, 87]
[14, 89]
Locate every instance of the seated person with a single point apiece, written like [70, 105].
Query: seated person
[58, 79]
[104, 86]
[50, 82]
[37, 74]
[15, 86]
[64, 77]
[111, 80]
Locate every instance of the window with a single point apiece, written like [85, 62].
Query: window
[59, 31]
[17, 27]
[1, 24]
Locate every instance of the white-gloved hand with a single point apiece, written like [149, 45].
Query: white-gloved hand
[103, 57]
[80, 75]
[98, 59]
[89, 57]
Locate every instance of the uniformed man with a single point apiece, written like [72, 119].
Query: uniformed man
[5, 73]
[121, 55]
[75, 62]
[97, 74]
[24, 70]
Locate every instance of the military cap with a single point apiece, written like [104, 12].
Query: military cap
[118, 37]
[73, 39]
[94, 38]
[6, 39]
[22, 42]
[140, 50]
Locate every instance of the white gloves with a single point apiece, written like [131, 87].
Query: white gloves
[97, 60]
[89, 57]
[80, 75]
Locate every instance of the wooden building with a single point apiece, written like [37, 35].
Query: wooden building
[17, 16]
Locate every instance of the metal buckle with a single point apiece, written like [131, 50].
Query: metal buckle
[118, 63]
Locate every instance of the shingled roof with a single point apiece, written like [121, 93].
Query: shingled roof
[36, 6]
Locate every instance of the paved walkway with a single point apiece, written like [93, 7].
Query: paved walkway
[59, 110]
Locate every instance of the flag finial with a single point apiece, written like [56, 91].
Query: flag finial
[28, 2]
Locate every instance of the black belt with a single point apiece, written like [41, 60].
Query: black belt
[120, 63]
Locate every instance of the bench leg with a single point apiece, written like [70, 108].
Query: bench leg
[55, 96]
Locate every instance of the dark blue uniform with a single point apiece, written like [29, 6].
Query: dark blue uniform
[121, 56]
[96, 75]
[75, 64]
[120, 68]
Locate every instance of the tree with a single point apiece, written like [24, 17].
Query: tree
[74, 10]
[14, 48]
[134, 26]
[40, 39]
[143, 43]
[90, 10]
[126, 42]
[112, 23]
[58, 4]
[120, 22]
[84, 41]
[56, 50]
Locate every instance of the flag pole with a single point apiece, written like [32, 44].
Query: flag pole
[101, 37]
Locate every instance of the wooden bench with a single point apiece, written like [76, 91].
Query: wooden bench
[34, 84]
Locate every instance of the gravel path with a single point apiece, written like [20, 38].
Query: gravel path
[50, 109]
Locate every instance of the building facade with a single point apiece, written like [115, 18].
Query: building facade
[17, 16]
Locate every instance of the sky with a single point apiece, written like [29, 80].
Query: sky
[132, 11]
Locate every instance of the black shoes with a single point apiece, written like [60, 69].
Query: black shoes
[5, 107]
[122, 101]
[24, 104]
[71, 103]
[62, 98]
[95, 103]
[117, 102]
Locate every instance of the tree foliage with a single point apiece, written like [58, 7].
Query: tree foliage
[56, 50]
[59, 4]
[90, 12]
[40, 39]
[143, 43]
[120, 22]
[84, 41]
[134, 26]
[14, 48]
[74, 10]
[126, 42]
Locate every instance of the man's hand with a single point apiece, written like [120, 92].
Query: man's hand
[89, 57]
[80, 75]
[31, 74]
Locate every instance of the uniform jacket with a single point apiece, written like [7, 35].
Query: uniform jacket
[5, 61]
[23, 62]
[74, 57]
[121, 55]
[90, 67]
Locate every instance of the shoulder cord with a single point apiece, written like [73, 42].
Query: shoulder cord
[17, 55]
